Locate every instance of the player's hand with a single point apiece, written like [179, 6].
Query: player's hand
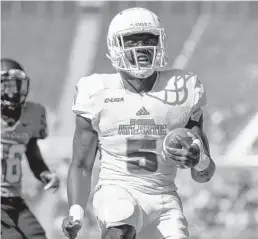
[50, 179]
[71, 228]
[186, 157]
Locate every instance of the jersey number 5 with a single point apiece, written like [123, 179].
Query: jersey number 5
[11, 162]
[140, 158]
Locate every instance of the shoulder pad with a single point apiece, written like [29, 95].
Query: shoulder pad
[186, 84]
[182, 78]
[86, 88]
[176, 79]
[90, 85]
[95, 83]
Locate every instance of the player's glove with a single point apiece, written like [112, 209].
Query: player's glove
[50, 179]
[186, 157]
[71, 228]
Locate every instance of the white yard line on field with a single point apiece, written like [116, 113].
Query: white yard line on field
[81, 63]
[190, 44]
[241, 146]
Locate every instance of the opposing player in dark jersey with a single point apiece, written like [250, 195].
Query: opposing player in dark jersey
[22, 124]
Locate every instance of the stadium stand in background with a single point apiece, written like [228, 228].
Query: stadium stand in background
[42, 36]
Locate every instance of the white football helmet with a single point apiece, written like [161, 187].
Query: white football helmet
[132, 21]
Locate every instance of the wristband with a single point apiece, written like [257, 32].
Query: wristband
[204, 159]
[77, 212]
[204, 163]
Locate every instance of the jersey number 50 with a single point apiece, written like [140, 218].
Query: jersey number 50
[11, 162]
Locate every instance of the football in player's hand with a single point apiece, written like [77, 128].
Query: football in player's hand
[180, 147]
[174, 137]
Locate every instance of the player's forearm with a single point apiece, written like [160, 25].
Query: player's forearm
[35, 159]
[79, 177]
[78, 185]
[204, 175]
[39, 169]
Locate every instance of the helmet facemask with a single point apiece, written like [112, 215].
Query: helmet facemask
[14, 89]
[126, 59]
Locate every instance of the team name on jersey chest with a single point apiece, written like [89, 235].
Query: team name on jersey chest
[125, 113]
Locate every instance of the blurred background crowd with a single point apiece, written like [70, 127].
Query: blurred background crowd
[43, 37]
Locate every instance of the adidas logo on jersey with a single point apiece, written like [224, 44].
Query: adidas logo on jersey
[112, 100]
[142, 111]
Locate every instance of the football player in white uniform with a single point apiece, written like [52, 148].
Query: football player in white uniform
[22, 124]
[126, 116]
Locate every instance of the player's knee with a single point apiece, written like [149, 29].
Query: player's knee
[119, 232]
[118, 211]
[10, 234]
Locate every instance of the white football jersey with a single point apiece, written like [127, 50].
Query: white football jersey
[131, 126]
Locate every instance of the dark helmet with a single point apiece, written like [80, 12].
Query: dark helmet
[14, 85]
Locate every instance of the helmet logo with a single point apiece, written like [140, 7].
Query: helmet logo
[141, 24]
